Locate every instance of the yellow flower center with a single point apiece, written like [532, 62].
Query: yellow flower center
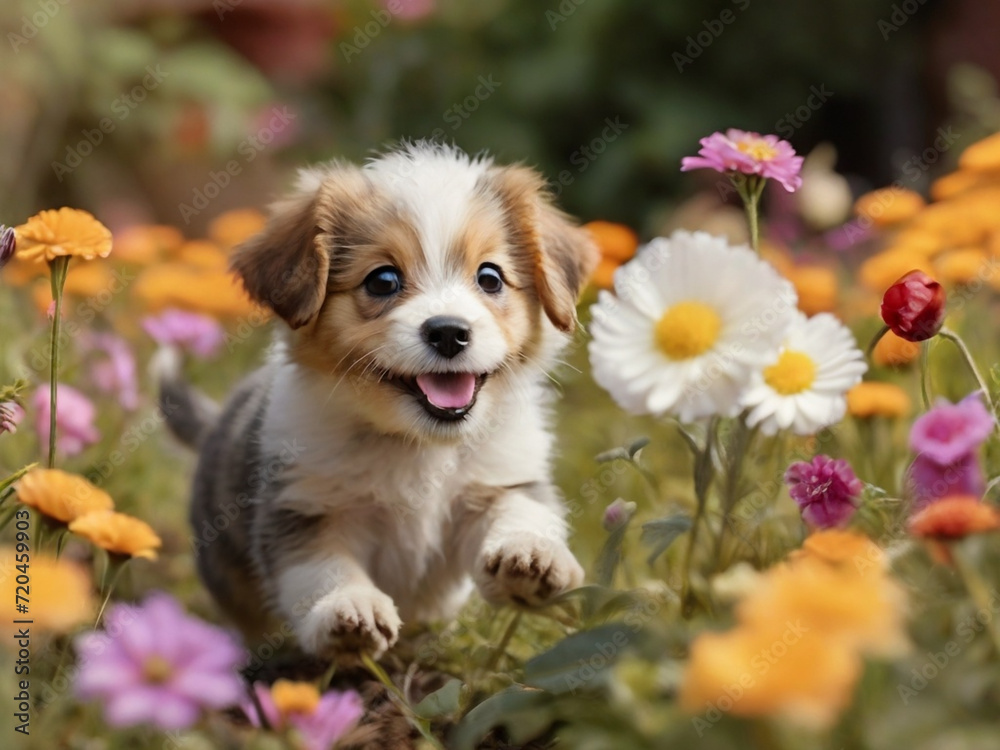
[156, 669]
[688, 329]
[759, 150]
[793, 373]
[294, 697]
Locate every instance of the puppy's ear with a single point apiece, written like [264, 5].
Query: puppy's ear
[563, 255]
[286, 265]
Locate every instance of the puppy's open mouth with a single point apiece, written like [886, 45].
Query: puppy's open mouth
[448, 396]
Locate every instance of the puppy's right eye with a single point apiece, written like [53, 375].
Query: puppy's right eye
[384, 281]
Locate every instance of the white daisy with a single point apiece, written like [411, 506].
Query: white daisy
[805, 386]
[690, 321]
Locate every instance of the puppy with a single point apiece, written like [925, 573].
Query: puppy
[394, 450]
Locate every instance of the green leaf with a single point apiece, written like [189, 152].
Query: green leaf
[5, 484]
[662, 532]
[580, 661]
[442, 702]
[523, 712]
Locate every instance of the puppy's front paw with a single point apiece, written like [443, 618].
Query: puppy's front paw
[349, 621]
[528, 571]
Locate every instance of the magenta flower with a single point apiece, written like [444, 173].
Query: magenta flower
[75, 414]
[116, 372]
[154, 664]
[319, 728]
[750, 154]
[825, 489]
[10, 417]
[928, 481]
[8, 243]
[198, 334]
[949, 432]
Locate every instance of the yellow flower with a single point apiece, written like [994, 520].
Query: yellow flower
[881, 271]
[982, 156]
[66, 232]
[783, 670]
[873, 399]
[203, 254]
[61, 496]
[964, 266]
[60, 598]
[889, 206]
[146, 243]
[959, 182]
[617, 244]
[294, 697]
[816, 287]
[233, 227]
[212, 292]
[118, 533]
[841, 549]
[894, 351]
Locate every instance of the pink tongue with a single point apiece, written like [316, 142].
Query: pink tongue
[448, 390]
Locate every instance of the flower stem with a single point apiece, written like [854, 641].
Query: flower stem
[57, 270]
[422, 725]
[501, 648]
[976, 587]
[874, 342]
[954, 338]
[112, 572]
[750, 188]
[738, 444]
[925, 393]
[703, 475]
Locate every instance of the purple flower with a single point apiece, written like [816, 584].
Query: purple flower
[10, 417]
[749, 154]
[319, 721]
[8, 244]
[116, 372]
[199, 334]
[153, 664]
[826, 490]
[74, 419]
[617, 513]
[928, 481]
[949, 431]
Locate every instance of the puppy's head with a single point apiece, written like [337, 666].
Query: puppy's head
[426, 280]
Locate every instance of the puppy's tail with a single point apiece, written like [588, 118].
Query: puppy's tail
[189, 413]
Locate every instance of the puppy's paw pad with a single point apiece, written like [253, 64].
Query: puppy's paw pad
[351, 621]
[529, 571]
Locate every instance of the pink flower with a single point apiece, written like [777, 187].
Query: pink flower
[8, 242]
[10, 417]
[928, 481]
[153, 664]
[319, 728]
[116, 372]
[826, 490]
[410, 10]
[199, 334]
[749, 154]
[949, 432]
[74, 419]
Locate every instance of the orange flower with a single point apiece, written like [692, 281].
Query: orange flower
[603, 276]
[816, 287]
[889, 206]
[982, 156]
[845, 549]
[61, 496]
[203, 254]
[956, 183]
[83, 280]
[894, 351]
[294, 697]
[67, 232]
[954, 518]
[61, 593]
[881, 271]
[212, 292]
[118, 533]
[233, 227]
[146, 243]
[782, 671]
[964, 266]
[615, 241]
[871, 399]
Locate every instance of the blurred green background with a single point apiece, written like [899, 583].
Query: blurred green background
[129, 109]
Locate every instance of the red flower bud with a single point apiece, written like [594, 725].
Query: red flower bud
[7, 244]
[913, 307]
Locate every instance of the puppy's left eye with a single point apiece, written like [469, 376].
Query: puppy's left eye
[489, 278]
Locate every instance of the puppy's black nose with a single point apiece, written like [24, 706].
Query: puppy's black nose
[448, 335]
